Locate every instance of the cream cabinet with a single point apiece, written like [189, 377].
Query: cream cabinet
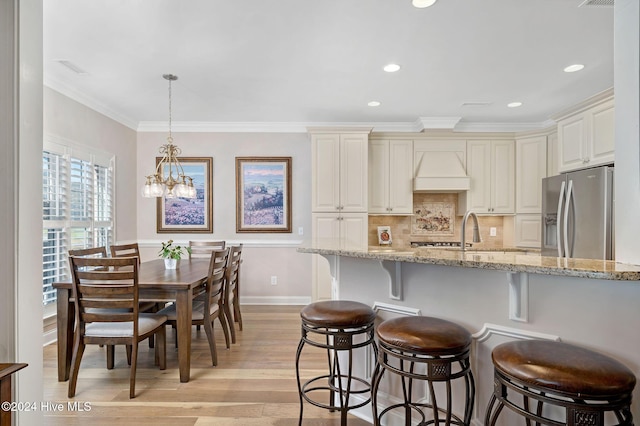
[491, 167]
[552, 154]
[338, 230]
[391, 177]
[339, 192]
[586, 138]
[528, 230]
[531, 168]
[339, 172]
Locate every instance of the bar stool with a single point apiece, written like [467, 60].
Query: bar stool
[584, 384]
[428, 349]
[337, 326]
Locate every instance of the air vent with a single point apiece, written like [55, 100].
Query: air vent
[597, 3]
[73, 67]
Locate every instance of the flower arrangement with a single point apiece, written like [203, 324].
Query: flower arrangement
[169, 251]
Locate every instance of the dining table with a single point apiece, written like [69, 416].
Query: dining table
[155, 283]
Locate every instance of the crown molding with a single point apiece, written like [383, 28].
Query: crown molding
[89, 102]
[421, 124]
[603, 96]
[502, 127]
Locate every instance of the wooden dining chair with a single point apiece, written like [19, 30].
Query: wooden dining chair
[95, 252]
[132, 250]
[125, 250]
[105, 293]
[204, 312]
[231, 295]
[204, 248]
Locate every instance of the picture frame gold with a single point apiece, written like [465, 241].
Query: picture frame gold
[263, 194]
[189, 216]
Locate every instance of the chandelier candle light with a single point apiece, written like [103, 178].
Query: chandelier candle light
[176, 184]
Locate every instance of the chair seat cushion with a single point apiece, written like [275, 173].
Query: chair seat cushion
[563, 368]
[197, 311]
[338, 314]
[424, 335]
[146, 323]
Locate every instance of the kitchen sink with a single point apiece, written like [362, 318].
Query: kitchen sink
[390, 251]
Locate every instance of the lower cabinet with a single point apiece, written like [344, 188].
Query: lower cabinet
[528, 230]
[339, 230]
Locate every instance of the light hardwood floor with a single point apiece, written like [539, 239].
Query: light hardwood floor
[253, 384]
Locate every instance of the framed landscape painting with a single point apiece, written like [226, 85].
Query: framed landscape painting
[263, 194]
[187, 215]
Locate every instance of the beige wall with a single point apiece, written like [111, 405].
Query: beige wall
[265, 254]
[67, 121]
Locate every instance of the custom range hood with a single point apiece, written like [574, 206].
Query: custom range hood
[441, 171]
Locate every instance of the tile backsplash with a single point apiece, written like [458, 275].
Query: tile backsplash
[405, 229]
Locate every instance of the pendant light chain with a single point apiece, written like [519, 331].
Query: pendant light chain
[156, 185]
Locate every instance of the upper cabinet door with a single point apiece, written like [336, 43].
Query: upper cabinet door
[325, 172]
[353, 172]
[503, 177]
[587, 138]
[391, 177]
[602, 134]
[379, 176]
[491, 167]
[401, 176]
[479, 170]
[531, 168]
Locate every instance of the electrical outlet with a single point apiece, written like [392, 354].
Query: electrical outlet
[274, 280]
[300, 231]
[492, 231]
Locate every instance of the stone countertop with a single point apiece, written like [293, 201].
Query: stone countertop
[510, 260]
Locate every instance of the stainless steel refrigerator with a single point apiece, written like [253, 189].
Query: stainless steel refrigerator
[577, 214]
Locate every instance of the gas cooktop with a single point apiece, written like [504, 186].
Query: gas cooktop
[437, 244]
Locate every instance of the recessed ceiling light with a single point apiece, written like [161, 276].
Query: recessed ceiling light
[422, 3]
[374, 104]
[574, 68]
[391, 67]
[514, 104]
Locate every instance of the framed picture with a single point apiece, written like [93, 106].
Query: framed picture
[263, 194]
[384, 235]
[186, 215]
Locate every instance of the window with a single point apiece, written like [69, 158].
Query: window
[77, 208]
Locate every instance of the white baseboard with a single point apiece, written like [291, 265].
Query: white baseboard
[275, 300]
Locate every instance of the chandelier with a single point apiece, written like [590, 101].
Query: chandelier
[169, 178]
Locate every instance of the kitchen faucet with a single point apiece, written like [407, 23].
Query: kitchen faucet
[476, 229]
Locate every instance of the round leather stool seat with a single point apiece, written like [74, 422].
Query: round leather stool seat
[563, 368]
[591, 387]
[339, 327]
[434, 351]
[337, 314]
[425, 335]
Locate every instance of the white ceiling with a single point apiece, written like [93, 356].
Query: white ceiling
[312, 62]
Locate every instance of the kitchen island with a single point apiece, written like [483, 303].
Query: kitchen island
[498, 296]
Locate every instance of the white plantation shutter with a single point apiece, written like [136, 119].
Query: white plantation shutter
[77, 208]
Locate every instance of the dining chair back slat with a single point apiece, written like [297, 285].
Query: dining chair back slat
[125, 250]
[203, 249]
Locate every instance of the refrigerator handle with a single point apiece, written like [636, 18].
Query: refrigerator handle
[558, 227]
[565, 224]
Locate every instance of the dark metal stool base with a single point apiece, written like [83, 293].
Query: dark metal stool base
[337, 384]
[438, 369]
[578, 411]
